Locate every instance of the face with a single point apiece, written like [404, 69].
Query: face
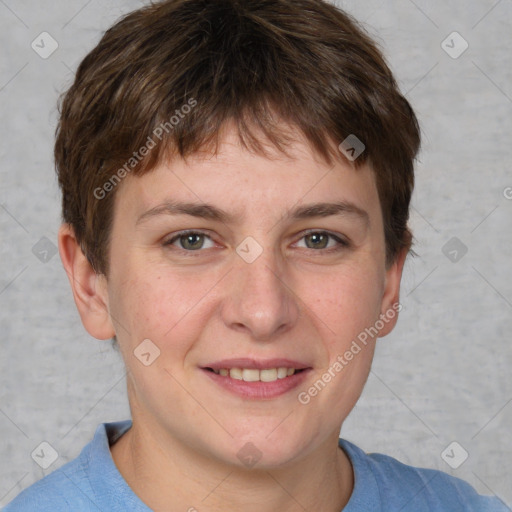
[252, 304]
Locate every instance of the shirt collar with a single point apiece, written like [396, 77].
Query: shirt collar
[114, 494]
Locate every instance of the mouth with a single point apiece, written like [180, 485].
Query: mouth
[251, 379]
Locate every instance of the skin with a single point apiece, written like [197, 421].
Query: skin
[296, 301]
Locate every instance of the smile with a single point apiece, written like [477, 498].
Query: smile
[257, 379]
[255, 375]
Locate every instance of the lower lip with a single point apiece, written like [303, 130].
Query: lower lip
[259, 390]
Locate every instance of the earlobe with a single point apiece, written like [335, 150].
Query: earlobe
[89, 288]
[390, 305]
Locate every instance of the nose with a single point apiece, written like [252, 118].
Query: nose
[259, 300]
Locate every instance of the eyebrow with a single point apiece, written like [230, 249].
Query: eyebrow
[210, 212]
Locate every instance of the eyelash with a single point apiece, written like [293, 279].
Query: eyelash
[342, 244]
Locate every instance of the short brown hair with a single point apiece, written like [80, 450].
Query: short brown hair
[254, 62]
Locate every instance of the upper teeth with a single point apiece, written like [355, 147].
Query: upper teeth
[255, 375]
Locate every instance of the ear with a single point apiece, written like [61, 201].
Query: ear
[390, 305]
[89, 288]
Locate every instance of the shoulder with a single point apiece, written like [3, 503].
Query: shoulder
[56, 491]
[398, 486]
[82, 485]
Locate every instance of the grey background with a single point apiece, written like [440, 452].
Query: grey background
[443, 375]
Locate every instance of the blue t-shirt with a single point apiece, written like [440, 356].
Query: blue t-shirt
[92, 483]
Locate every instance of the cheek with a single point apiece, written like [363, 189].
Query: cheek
[158, 304]
[346, 302]
[139, 307]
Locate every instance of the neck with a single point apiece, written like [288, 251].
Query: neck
[166, 474]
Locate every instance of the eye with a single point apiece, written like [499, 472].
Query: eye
[320, 240]
[194, 241]
[190, 240]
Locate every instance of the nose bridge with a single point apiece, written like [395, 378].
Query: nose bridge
[260, 301]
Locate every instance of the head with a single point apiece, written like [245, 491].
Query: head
[231, 127]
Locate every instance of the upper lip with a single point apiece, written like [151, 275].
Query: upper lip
[259, 364]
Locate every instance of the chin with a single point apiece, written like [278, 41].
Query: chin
[265, 449]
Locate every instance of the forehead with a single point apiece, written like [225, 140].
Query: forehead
[239, 181]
